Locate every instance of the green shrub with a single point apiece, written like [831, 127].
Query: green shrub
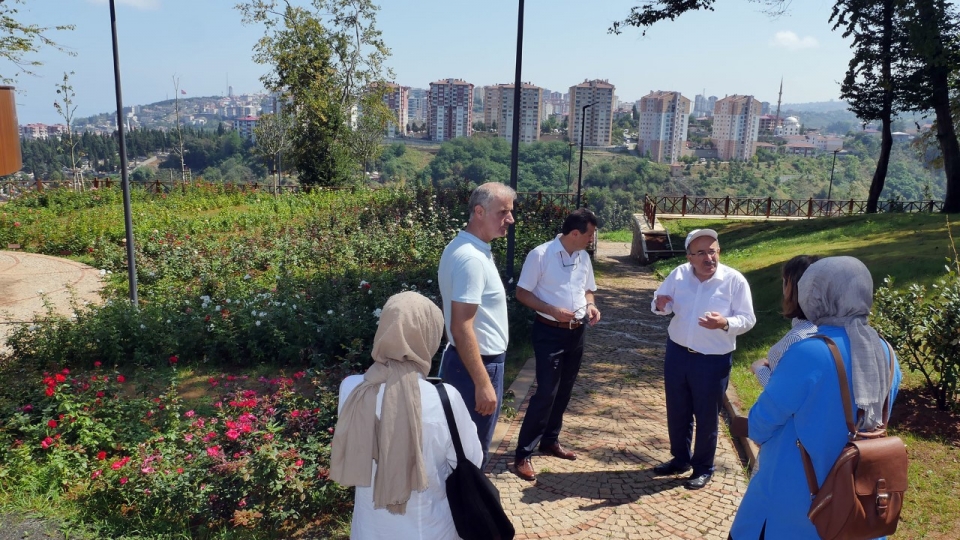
[924, 328]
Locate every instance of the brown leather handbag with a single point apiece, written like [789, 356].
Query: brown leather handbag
[862, 495]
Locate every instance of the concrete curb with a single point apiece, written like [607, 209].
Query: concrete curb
[749, 447]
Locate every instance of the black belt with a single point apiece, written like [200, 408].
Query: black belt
[572, 325]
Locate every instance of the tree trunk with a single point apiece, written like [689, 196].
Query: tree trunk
[886, 137]
[947, 136]
[938, 76]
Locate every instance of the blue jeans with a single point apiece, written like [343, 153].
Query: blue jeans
[453, 372]
[694, 384]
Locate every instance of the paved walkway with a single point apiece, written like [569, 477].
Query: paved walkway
[616, 422]
[28, 280]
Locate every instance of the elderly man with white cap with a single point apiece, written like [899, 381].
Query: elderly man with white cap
[711, 306]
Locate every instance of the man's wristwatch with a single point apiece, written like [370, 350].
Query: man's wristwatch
[726, 326]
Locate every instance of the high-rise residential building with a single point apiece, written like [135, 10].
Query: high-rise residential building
[417, 104]
[491, 104]
[529, 112]
[598, 120]
[700, 106]
[246, 127]
[764, 108]
[396, 98]
[711, 105]
[663, 126]
[450, 110]
[736, 121]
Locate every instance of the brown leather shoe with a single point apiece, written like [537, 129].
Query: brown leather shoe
[524, 469]
[556, 450]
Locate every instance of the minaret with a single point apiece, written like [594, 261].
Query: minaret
[779, 99]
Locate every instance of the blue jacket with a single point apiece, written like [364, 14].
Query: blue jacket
[801, 401]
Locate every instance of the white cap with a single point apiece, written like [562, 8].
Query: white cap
[697, 233]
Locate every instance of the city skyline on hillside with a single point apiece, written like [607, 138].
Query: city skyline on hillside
[564, 44]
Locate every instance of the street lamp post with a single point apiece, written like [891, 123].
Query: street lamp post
[515, 147]
[569, 163]
[583, 123]
[830, 189]
[124, 179]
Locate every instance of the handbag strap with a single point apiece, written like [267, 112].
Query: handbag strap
[451, 421]
[847, 409]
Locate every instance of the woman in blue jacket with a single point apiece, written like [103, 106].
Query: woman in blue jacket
[802, 400]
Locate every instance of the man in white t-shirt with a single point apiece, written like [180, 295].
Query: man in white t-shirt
[475, 308]
[557, 282]
[711, 305]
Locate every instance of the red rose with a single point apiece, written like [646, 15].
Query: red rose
[173, 359]
[49, 391]
[101, 455]
[52, 424]
[60, 378]
[121, 379]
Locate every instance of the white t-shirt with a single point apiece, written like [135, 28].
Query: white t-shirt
[467, 274]
[428, 512]
[726, 292]
[557, 278]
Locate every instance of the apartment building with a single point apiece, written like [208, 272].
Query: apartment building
[491, 104]
[530, 105]
[396, 98]
[245, 127]
[417, 104]
[663, 126]
[736, 122]
[597, 121]
[450, 109]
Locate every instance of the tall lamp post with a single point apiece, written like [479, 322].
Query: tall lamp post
[583, 123]
[830, 189]
[569, 164]
[515, 147]
[124, 179]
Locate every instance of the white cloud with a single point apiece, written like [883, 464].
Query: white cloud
[792, 42]
[139, 4]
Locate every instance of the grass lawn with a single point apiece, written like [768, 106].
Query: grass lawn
[907, 247]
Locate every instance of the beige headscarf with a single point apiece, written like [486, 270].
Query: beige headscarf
[407, 338]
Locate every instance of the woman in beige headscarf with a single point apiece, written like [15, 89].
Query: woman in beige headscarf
[392, 440]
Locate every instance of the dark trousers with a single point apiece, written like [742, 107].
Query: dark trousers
[694, 385]
[453, 372]
[559, 352]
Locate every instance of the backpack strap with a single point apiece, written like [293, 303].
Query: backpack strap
[451, 421]
[847, 408]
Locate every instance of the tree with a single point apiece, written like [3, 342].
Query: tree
[66, 108]
[932, 27]
[273, 138]
[655, 11]
[870, 85]
[327, 59]
[178, 148]
[18, 40]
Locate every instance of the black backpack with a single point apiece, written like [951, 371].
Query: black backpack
[474, 500]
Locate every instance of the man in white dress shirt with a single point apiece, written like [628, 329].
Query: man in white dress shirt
[557, 282]
[711, 306]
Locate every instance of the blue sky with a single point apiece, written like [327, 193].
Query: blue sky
[733, 50]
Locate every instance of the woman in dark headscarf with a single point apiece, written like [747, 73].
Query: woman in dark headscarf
[392, 440]
[802, 400]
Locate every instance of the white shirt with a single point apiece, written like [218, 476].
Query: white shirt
[726, 292]
[558, 278]
[428, 513]
[467, 274]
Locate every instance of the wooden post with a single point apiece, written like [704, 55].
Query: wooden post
[10, 159]
[769, 204]
[726, 206]
[810, 208]
[683, 206]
